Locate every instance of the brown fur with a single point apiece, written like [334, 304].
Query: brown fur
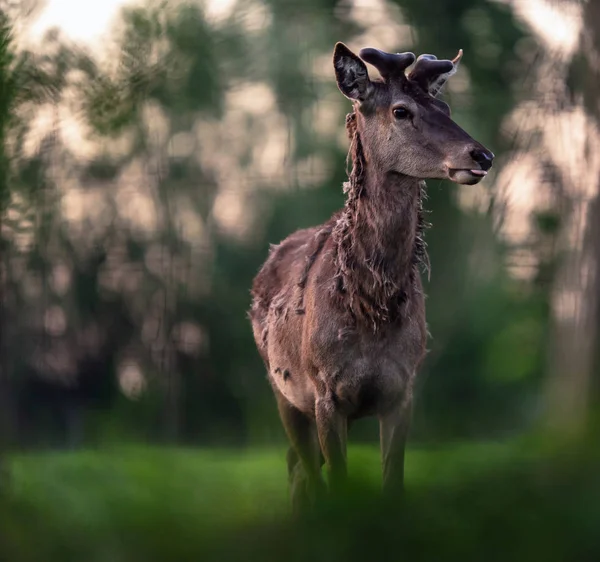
[338, 310]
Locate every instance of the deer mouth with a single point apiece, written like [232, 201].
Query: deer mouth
[466, 177]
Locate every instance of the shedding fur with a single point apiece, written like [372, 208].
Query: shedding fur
[383, 303]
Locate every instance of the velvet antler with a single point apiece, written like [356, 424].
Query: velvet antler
[389, 65]
[431, 73]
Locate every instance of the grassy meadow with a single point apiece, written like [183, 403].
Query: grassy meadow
[470, 502]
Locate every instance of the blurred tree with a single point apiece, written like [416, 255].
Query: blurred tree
[9, 93]
[172, 63]
[210, 137]
[33, 239]
[574, 364]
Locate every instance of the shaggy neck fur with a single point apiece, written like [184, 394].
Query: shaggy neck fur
[379, 239]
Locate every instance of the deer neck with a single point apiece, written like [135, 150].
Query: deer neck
[379, 244]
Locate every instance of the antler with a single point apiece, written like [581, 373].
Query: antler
[388, 64]
[457, 58]
[429, 69]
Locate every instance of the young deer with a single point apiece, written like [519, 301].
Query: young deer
[338, 310]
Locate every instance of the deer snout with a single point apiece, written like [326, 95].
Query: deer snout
[483, 157]
[472, 166]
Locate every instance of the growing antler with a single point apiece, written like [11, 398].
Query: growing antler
[431, 73]
[389, 65]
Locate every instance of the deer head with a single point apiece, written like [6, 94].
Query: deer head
[403, 127]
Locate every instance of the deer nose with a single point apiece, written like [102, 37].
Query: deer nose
[483, 157]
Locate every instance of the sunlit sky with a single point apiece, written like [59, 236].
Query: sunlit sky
[84, 21]
[90, 20]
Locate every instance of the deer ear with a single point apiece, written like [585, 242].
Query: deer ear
[435, 87]
[351, 74]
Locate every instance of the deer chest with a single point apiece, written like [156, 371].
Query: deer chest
[369, 373]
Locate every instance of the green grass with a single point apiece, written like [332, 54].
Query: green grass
[479, 502]
[215, 486]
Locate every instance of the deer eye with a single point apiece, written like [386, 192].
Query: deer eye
[401, 113]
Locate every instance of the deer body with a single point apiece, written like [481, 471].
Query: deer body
[338, 311]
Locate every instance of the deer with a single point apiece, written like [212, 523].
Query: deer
[338, 310]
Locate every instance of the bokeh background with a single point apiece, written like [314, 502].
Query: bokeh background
[150, 153]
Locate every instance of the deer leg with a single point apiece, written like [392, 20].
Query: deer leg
[332, 428]
[394, 428]
[304, 459]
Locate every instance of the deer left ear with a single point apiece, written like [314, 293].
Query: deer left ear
[351, 74]
[436, 85]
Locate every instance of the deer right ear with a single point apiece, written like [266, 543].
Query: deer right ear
[351, 74]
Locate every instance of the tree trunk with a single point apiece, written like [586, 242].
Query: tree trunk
[574, 358]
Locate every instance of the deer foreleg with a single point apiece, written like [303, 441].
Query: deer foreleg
[394, 428]
[304, 457]
[332, 428]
